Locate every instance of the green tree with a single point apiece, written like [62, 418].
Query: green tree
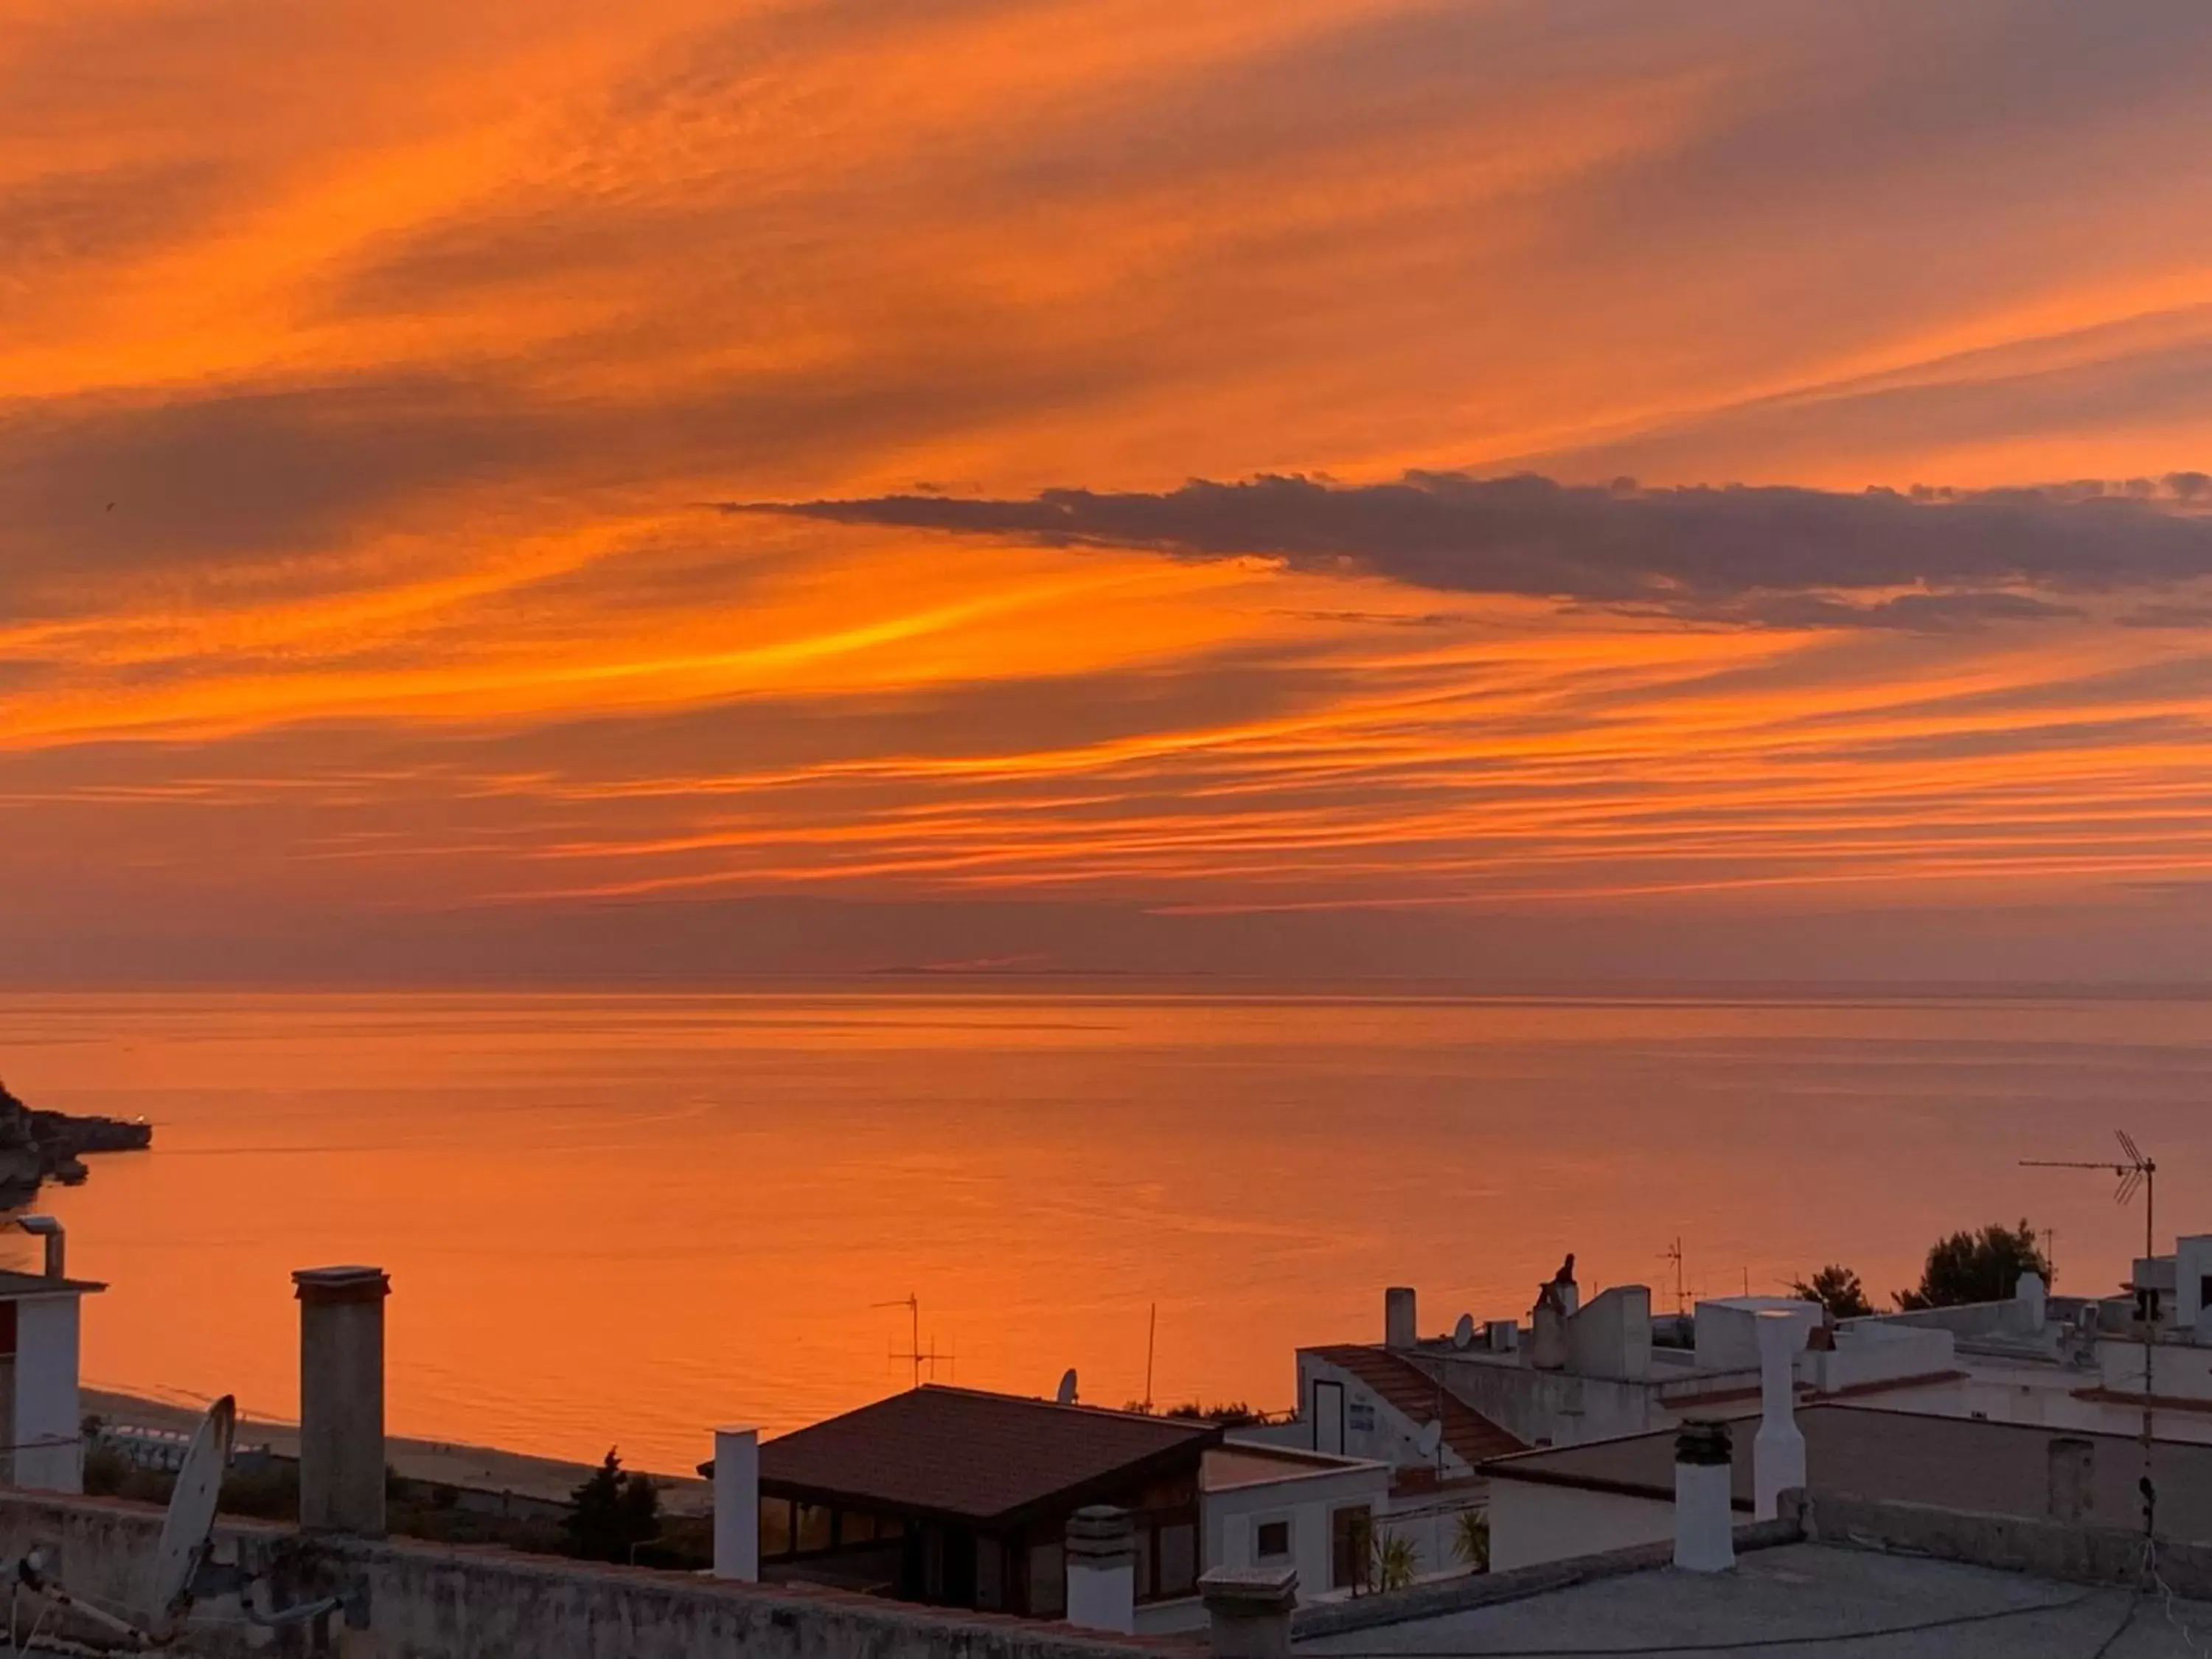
[611, 1512]
[1836, 1288]
[1984, 1266]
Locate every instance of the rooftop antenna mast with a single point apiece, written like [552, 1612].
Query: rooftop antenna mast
[1674, 1253]
[2138, 1173]
[915, 1355]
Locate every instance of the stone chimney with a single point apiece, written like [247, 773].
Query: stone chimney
[1247, 1611]
[736, 1505]
[1102, 1571]
[1400, 1330]
[1778, 1455]
[1704, 1515]
[341, 1399]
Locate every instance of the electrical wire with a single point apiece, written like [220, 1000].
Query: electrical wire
[2165, 1590]
[1750, 1645]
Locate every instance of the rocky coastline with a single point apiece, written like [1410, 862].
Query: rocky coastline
[36, 1146]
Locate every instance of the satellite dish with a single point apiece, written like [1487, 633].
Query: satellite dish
[1430, 1436]
[184, 1568]
[1066, 1394]
[1464, 1333]
[187, 1533]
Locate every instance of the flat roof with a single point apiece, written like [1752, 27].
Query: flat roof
[972, 1455]
[13, 1286]
[1844, 1603]
[1912, 1457]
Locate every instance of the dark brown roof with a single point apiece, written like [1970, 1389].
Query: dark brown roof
[977, 1456]
[1413, 1393]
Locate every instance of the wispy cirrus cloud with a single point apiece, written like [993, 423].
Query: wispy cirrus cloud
[1781, 556]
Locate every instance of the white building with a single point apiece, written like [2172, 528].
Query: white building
[40, 1426]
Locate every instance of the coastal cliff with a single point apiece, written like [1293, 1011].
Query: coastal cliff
[37, 1146]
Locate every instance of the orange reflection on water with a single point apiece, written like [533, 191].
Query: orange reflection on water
[619, 1219]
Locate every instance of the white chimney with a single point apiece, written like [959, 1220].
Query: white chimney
[1102, 1571]
[49, 1228]
[1705, 1529]
[736, 1505]
[2031, 1293]
[1400, 1327]
[1778, 1455]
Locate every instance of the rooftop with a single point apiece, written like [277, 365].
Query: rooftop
[1953, 1462]
[976, 1456]
[1469, 1435]
[15, 1285]
[1846, 1603]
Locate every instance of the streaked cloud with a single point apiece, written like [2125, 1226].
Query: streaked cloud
[371, 368]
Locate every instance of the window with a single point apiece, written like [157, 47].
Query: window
[1048, 1580]
[1273, 1539]
[1179, 1558]
[775, 1528]
[814, 1531]
[855, 1526]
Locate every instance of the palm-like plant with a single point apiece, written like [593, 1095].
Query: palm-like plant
[1396, 1562]
[1471, 1539]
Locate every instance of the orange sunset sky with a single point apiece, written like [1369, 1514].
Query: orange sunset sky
[532, 488]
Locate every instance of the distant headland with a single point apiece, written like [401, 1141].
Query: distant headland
[38, 1146]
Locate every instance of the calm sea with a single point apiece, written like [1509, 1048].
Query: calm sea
[621, 1220]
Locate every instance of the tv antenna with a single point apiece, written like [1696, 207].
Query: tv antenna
[1065, 1394]
[1151, 1341]
[185, 1571]
[915, 1355]
[1674, 1253]
[2137, 1173]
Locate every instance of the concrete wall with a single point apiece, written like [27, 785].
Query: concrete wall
[1611, 1335]
[430, 1602]
[2192, 1266]
[46, 1395]
[1430, 1523]
[1871, 1350]
[1558, 1407]
[2177, 1371]
[1531, 1523]
[1307, 1501]
[1373, 1427]
[1727, 1328]
[2013, 1316]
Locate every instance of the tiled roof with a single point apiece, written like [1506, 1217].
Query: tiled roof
[1414, 1394]
[978, 1456]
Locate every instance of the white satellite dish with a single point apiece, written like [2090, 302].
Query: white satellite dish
[1066, 1394]
[184, 1568]
[188, 1531]
[1430, 1436]
[1464, 1333]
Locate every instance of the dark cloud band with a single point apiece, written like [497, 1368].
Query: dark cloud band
[1781, 555]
